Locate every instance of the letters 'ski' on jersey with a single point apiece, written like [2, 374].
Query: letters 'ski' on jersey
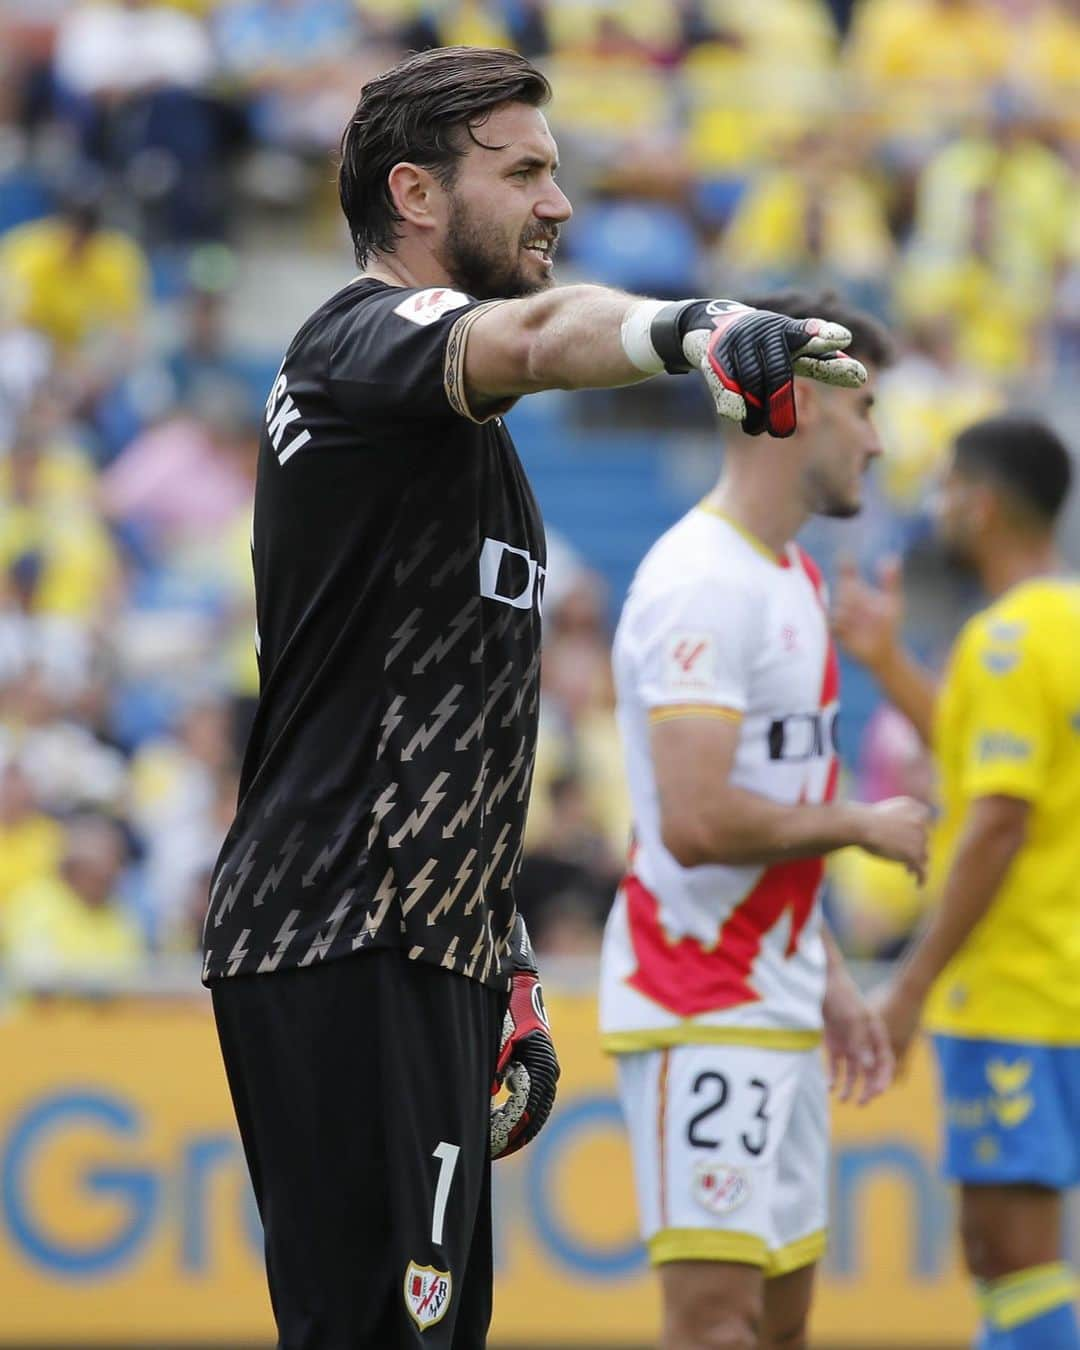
[716, 625]
[399, 567]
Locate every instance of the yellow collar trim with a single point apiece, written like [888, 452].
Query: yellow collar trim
[781, 559]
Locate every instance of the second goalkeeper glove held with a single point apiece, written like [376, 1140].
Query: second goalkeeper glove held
[749, 357]
[527, 1066]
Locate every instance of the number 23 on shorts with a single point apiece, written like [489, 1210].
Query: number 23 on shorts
[720, 1123]
[732, 1102]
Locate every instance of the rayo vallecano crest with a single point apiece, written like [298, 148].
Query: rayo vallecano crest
[427, 1294]
[720, 1189]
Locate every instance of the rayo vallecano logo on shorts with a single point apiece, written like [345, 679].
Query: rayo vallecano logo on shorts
[720, 1188]
[427, 1294]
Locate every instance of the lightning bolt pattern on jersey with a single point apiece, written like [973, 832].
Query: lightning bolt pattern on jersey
[399, 564]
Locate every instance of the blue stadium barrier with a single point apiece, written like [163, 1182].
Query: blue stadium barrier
[637, 245]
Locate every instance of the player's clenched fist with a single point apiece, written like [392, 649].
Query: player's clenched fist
[898, 829]
[528, 1066]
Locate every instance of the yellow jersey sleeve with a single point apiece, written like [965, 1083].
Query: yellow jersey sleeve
[1007, 714]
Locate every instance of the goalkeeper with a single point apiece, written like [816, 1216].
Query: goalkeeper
[996, 975]
[361, 940]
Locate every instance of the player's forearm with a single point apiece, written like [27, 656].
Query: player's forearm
[909, 687]
[834, 957]
[987, 848]
[570, 337]
[741, 828]
[573, 339]
[837, 975]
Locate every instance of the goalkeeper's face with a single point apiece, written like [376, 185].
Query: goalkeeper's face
[841, 444]
[505, 208]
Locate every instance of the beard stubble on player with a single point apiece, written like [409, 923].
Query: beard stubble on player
[826, 496]
[485, 264]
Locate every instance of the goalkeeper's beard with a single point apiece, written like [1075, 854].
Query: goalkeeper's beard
[475, 255]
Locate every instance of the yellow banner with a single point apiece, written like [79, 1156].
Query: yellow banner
[126, 1216]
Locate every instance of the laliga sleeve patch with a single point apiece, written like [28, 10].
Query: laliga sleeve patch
[689, 663]
[720, 1189]
[427, 1294]
[426, 307]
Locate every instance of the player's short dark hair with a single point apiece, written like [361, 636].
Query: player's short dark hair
[423, 110]
[870, 340]
[1020, 455]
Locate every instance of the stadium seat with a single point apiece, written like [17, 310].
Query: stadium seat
[638, 245]
[24, 196]
[715, 199]
[611, 98]
[631, 473]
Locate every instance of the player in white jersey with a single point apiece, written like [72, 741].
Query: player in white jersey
[718, 977]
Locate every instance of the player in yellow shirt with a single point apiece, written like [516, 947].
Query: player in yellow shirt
[31, 842]
[68, 927]
[995, 976]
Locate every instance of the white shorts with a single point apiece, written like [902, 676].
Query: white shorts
[730, 1146]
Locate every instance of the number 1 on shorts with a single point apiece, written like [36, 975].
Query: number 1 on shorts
[447, 1155]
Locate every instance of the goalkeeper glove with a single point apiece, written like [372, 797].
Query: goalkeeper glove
[749, 357]
[527, 1066]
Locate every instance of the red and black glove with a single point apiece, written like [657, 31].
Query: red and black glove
[527, 1066]
[750, 358]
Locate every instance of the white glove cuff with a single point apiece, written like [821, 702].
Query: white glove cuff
[636, 339]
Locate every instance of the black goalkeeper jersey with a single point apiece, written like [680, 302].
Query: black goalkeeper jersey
[399, 565]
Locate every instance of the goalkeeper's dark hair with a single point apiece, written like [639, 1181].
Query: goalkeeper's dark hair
[424, 111]
[1022, 457]
[870, 340]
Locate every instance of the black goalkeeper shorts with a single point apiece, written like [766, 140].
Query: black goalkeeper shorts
[362, 1091]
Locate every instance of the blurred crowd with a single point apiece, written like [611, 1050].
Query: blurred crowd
[920, 156]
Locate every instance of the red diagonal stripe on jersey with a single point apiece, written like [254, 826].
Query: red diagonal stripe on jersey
[813, 572]
[830, 683]
[687, 979]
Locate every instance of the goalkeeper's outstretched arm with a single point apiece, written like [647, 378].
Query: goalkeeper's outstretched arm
[589, 337]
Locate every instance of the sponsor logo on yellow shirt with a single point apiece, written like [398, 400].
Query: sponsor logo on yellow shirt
[1001, 745]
